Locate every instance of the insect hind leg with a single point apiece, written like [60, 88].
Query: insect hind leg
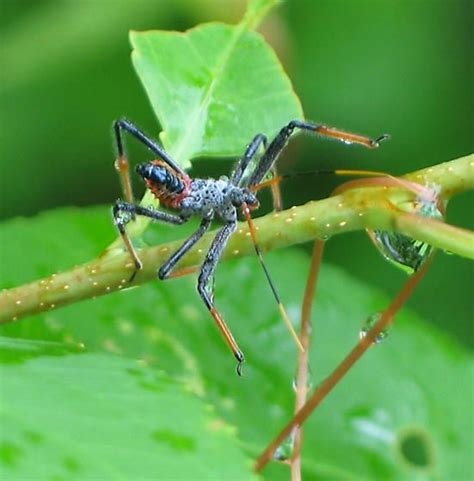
[206, 278]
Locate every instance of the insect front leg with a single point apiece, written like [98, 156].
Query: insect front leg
[279, 142]
[249, 154]
[124, 212]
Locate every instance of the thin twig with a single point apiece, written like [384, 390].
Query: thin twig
[347, 363]
[303, 374]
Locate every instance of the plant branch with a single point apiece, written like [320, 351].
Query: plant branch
[303, 380]
[386, 319]
[359, 208]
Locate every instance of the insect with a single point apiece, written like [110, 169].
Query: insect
[208, 199]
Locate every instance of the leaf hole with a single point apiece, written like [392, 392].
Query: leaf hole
[416, 448]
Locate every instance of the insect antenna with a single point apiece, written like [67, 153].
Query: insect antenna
[342, 172]
[281, 307]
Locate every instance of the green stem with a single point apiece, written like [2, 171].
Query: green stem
[355, 209]
[256, 11]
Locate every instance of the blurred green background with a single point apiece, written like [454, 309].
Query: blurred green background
[369, 66]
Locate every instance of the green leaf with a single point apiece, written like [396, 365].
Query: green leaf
[214, 87]
[401, 402]
[98, 416]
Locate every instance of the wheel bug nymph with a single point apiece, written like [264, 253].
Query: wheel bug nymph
[208, 198]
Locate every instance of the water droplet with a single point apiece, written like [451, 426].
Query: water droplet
[448, 253]
[405, 252]
[284, 452]
[369, 324]
[309, 383]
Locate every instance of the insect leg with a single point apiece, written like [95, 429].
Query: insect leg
[243, 163]
[165, 270]
[206, 276]
[122, 163]
[123, 212]
[279, 142]
[276, 191]
[249, 154]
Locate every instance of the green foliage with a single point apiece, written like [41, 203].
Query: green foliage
[404, 387]
[68, 416]
[218, 84]
[95, 412]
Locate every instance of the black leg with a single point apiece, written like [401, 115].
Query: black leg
[123, 212]
[123, 124]
[206, 277]
[278, 143]
[243, 163]
[168, 266]
[249, 154]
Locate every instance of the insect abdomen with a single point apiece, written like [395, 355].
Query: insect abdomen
[166, 185]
